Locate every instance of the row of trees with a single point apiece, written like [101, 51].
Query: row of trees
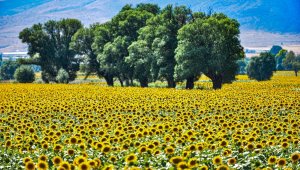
[143, 43]
[261, 67]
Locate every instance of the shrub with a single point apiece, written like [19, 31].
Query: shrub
[24, 74]
[261, 68]
[62, 76]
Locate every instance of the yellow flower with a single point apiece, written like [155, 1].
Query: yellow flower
[42, 165]
[29, 166]
[217, 160]
[56, 160]
[131, 158]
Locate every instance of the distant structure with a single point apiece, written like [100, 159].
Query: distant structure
[14, 55]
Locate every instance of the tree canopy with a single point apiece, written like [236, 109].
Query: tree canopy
[49, 47]
[261, 68]
[292, 62]
[211, 46]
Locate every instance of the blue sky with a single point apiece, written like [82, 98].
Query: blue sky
[275, 21]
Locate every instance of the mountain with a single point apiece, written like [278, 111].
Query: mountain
[263, 22]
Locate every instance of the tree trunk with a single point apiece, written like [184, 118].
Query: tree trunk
[127, 83]
[131, 81]
[171, 83]
[296, 73]
[189, 83]
[121, 81]
[109, 80]
[217, 81]
[144, 82]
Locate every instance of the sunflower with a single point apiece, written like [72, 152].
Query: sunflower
[108, 167]
[29, 166]
[78, 160]
[272, 160]
[285, 145]
[56, 160]
[182, 165]
[27, 159]
[223, 167]
[8, 143]
[84, 166]
[231, 161]
[106, 149]
[65, 165]
[131, 158]
[176, 160]
[71, 152]
[192, 163]
[113, 158]
[42, 165]
[43, 158]
[295, 157]
[281, 162]
[169, 150]
[203, 167]
[73, 140]
[217, 160]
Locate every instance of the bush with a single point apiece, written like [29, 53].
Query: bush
[24, 74]
[261, 68]
[7, 69]
[62, 76]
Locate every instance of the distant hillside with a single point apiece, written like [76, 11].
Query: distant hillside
[276, 16]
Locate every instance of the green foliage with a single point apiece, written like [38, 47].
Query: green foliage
[242, 66]
[292, 62]
[81, 43]
[7, 69]
[24, 74]
[261, 68]
[280, 56]
[209, 45]
[113, 39]
[140, 59]
[49, 47]
[160, 34]
[275, 49]
[62, 76]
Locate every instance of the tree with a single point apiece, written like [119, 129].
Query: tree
[81, 43]
[1, 59]
[280, 56]
[112, 59]
[103, 35]
[49, 47]
[242, 66]
[7, 69]
[209, 45]
[62, 76]
[160, 34]
[140, 59]
[24, 74]
[275, 49]
[261, 68]
[292, 62]
[121, 32]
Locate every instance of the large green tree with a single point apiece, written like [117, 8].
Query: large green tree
[122, 31]
[209, 45]
[160, 34]
[141, 59]
[292, 62]
[49, 47]
[261, 68]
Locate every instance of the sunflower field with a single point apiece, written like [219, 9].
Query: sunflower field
[246, 125]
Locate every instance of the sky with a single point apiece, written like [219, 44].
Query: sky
[263, 22]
